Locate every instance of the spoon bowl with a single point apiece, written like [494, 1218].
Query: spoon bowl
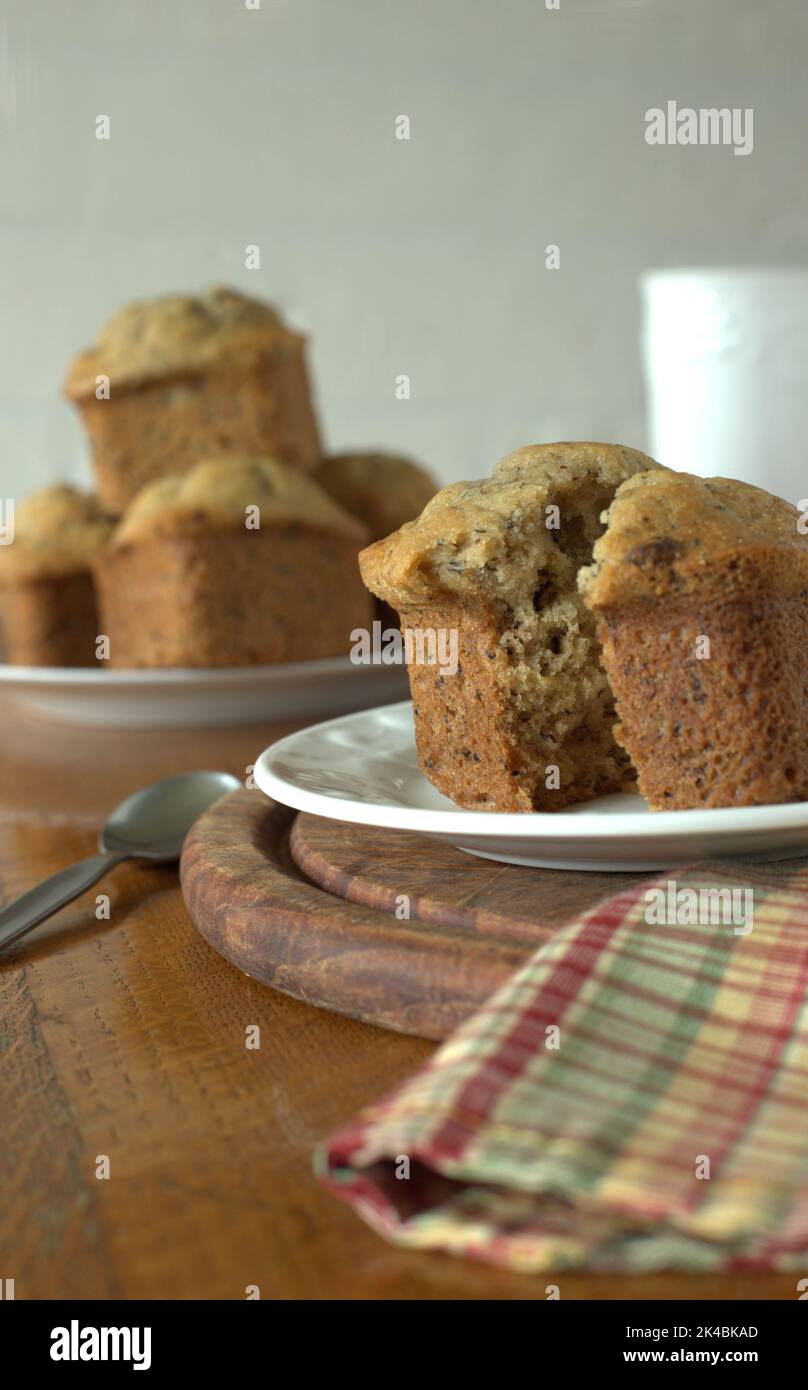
[153, 822]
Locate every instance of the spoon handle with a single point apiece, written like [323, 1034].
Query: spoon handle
[38, 903]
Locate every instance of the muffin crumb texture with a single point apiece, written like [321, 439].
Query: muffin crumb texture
[527, 721]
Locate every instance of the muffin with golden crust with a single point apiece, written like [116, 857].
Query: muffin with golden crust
[48, 598]
[240, 561]
[382, 490]
[174, 379]
[526, 721]
[700, 590]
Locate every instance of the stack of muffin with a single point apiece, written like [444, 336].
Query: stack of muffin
[219, 536]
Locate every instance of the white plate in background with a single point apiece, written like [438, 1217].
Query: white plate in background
[184, 697]
[363, 768]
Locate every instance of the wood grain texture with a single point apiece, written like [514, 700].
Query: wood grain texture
[126, 1037]
[444, 886]
[247, 899]
[333, 938]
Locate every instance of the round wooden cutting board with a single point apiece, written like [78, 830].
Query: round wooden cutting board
[384, 926]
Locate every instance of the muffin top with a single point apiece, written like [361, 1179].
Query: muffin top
[217, 492]
[152, 338]
[382, 490]
[671, 533]
[469, 537]
[57, 531]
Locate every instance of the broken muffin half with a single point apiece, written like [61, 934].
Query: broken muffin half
[700, 591]
[525, 720]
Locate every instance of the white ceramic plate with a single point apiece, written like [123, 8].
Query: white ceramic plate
[185, 698]
[363, 768]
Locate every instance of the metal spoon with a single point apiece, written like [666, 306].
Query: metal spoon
[151, 824]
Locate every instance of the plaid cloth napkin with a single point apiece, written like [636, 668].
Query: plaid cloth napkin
[634, 1098]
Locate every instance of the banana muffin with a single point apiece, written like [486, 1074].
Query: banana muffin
[526, 721]
[240, 561]
[176, 379]
[700, 589]
[382, 490]
[48, 598]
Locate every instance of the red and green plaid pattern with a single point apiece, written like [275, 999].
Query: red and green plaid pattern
[667, 1129]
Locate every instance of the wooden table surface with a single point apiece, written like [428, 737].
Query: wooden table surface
[126, 1038]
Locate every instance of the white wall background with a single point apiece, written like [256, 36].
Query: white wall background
[276, 126]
